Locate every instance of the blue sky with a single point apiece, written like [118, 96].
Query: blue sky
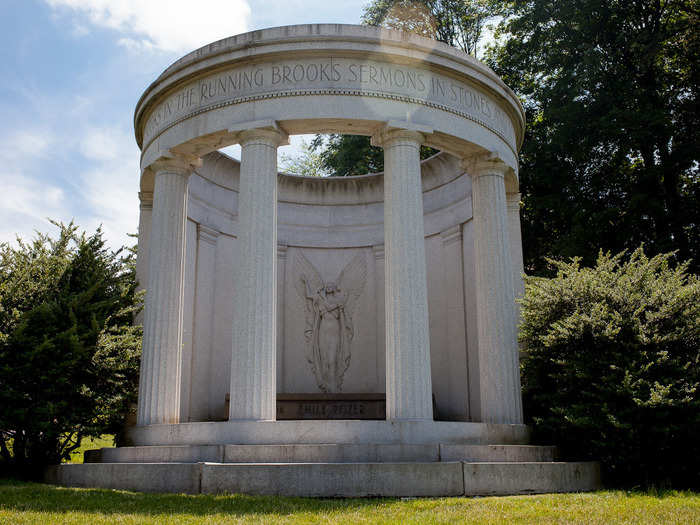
[71, 72]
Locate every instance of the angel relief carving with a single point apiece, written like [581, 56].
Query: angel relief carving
[329, 308]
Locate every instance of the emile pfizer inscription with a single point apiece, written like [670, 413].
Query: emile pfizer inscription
[337, 75]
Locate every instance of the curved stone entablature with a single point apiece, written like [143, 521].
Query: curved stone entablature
[338, 212]
[328, 78]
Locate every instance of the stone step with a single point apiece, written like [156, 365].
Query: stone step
[320, 453]
[433, 479]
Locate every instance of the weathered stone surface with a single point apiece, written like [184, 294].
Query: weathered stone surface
[493, 453]
[328, 431]
[253, 363]
[415, 479]
[322, 453]
[159, 395]
[143, 477]
[336, 479]
[499, 371]
[408, 381]
[163, 454]
[500, 479]
[325, 453]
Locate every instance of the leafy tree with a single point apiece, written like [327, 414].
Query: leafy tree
[611, 152]
[346, 155]
[68, 351]
[459, 23]
[308, 164]
[611, 366]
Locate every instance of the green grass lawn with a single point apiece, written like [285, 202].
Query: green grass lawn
[24, 503]
[90, 444]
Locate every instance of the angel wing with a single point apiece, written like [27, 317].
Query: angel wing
[351, 281]
[305, 272]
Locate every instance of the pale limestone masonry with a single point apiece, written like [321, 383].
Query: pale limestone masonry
[408, 388]
[345, 290]
[501, 400]
[159, 396]
[253, 364]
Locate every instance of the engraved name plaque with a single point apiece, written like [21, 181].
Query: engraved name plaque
[331, 406]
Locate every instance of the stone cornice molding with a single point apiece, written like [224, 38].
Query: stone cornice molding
[395, 131]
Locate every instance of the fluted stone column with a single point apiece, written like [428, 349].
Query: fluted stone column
[253, 363]
[516, 243]
[145, 211]
[501, 400]
[159, 385]
[408, 383]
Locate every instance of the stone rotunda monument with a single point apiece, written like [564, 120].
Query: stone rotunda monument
[329, 336]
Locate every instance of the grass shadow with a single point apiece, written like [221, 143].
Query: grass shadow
[38, 497]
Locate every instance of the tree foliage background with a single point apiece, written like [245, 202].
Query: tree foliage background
[611, 366]
[69, 353]
[611, 151]
[610, 88]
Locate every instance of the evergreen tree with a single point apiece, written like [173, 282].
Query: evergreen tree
[69, 354]
[611, 366]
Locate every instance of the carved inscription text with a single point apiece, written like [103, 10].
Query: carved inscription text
[335, 75]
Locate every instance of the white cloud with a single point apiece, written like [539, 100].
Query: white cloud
[26, 204]
[23, 143]
[105, 144]
[109, 183]
[102, 190]
[169, 25]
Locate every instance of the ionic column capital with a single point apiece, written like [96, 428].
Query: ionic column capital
[175, 163]
[394, 132]
[261, 131]
[485, 164]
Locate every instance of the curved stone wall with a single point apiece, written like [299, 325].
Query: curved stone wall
[329, 222]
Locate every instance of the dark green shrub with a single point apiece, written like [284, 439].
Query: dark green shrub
[68, 351]
[611, 366]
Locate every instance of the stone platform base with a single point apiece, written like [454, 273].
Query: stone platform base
[330, 458]
[323, 453]
[432, 479]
